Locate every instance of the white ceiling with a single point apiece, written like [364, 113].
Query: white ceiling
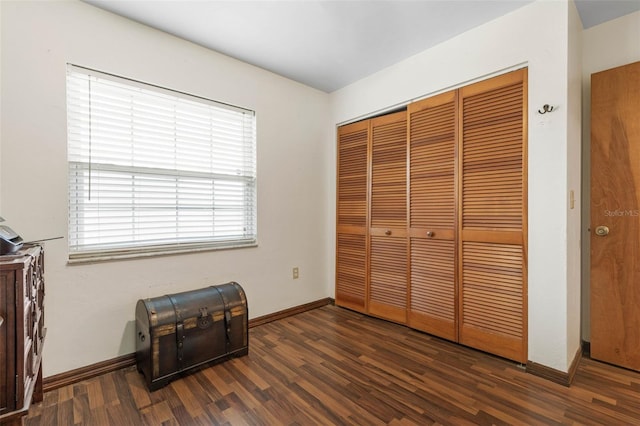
[330, 44]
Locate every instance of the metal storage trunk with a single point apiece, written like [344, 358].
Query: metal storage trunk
[176, 333]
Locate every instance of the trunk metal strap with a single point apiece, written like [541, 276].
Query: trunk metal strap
[179, 333]
[227, 319]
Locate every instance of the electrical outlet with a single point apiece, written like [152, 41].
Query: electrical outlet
[296, 273]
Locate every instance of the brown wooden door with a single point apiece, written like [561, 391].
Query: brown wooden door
[615, 204]
[492, 216]
[388, 216]
[432, 215]
[352, 209]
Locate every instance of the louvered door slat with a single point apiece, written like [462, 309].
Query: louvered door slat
[351, 216]
[350, 270]
[389, 171]
[432, 278]
[492, 282]
[493, 216]
[388, 278]
[432, 207]
[352, 175]
[388, 245]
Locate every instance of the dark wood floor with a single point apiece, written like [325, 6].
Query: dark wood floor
[332, 366]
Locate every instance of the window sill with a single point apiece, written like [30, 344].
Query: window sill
[142, 253]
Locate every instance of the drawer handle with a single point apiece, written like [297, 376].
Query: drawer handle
[387, 232]
[430, 234]
[1, 320]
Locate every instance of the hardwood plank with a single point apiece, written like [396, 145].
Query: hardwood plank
[158, 414]
[335, 366]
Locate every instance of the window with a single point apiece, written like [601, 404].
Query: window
[154, 171]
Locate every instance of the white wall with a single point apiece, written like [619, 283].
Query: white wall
[537, 36]
[605, 46]
[90, 307]
[574, 149]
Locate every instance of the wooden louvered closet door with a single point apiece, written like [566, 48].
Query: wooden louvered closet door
[352, 207]
[388, 216]
[432, 215]
[492, 209]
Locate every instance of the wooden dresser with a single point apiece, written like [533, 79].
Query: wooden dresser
[21, 332]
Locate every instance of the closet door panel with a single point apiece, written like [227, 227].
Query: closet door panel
[351, 267]
[432, 294]
[493, 299]
[493, 314]
[351, 214]
[352, 175]
[432, 215]
[388, 218]
[388, 278]
[389, 171]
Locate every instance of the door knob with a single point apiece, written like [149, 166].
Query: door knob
[602, 231]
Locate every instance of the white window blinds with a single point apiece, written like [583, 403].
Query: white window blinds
[155, 170]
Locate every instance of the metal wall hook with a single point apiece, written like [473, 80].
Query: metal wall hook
[545, 109]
